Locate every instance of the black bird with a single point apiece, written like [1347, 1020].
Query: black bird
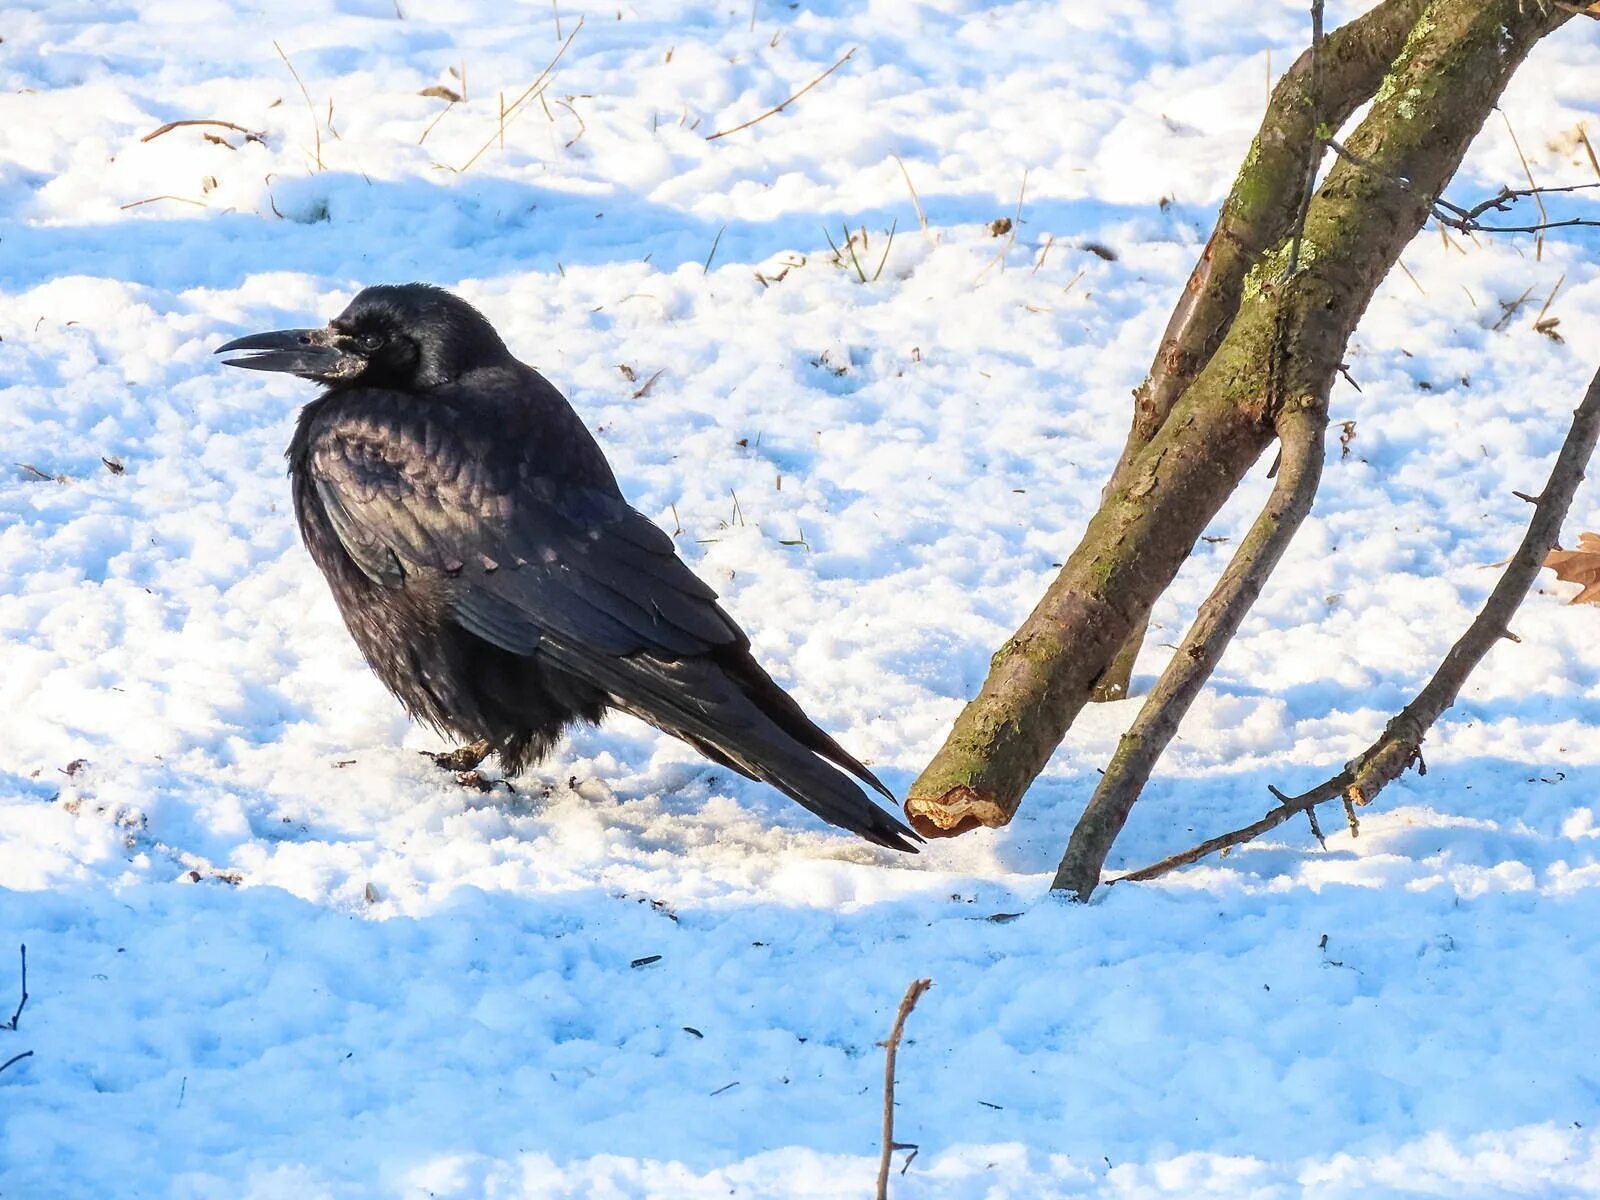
[491, 572]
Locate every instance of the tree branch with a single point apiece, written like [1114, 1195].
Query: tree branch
[1284, 344]
[891, 1048]
[1265, 205]
[1300, 432]
[1401, 744]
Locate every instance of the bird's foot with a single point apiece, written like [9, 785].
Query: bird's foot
[463, 758]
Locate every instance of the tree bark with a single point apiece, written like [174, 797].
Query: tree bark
[1279, 353]
[1259, 212]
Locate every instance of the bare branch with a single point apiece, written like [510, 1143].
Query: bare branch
[1401, 744]
[891, 1048]
[1300, 431]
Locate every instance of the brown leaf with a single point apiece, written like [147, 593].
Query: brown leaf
[1579, 566]
[439, 92]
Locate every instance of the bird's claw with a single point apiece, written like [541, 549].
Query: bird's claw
[463, 759]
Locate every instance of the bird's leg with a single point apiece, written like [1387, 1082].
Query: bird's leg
[463, 758]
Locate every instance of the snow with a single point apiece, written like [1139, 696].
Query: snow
[274, 952]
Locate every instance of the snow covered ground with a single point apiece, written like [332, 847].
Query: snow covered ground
[274, 952]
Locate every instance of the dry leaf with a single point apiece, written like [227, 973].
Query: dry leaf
[1579, 566]
[440, 92]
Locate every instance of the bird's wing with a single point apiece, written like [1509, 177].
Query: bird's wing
[521, 559]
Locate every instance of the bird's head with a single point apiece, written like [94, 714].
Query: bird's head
[410, 337]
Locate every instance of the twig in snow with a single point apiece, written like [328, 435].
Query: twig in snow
[316, 127]
[848, 54]
[22, 1003]
[16, 1058]
[891, 1048]
[1400, 746]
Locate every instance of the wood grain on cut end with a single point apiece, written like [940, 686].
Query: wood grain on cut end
[959, 810]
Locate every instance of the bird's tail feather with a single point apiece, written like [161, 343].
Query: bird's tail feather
[700, 701]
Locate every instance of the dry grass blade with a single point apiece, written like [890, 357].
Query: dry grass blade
[316, 126]
[915, 202]
[250, 135]
[848, 54]
[153, 199]
[1544, 217]
[511, 110]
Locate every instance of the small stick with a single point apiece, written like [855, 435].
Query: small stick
[915, 203]
[21, 1004]
[557, 13]
[316, 128]
[891, 1048]
[849, 54]
[1400, 262]
[171, 125]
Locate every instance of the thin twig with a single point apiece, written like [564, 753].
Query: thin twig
[510, 110]
[1314, 95]
[250, 135]
[22, 1003]
[1401, 743]
[850, 53]
[316, 127]
[16, 1058]
[891, 1048]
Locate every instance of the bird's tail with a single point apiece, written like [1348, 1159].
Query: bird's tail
[736, 715]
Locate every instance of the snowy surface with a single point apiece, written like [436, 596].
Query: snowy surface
[384, 984]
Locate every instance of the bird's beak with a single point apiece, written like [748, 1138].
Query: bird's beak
[308, 353]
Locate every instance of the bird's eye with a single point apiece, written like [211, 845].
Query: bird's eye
[370, 341]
